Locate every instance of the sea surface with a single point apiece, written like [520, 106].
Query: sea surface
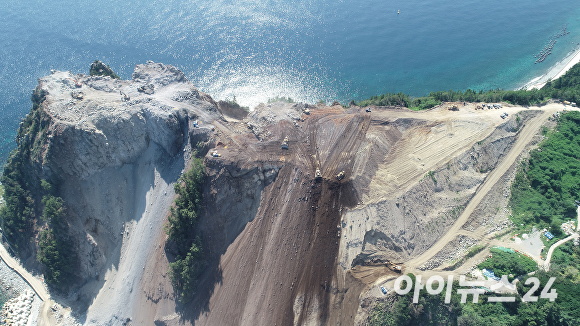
[254, 50]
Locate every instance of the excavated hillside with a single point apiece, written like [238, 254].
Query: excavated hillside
[284, 247]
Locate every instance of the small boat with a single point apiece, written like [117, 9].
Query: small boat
[398, 12]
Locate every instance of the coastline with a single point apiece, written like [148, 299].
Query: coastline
[556, 71]
[19, 292]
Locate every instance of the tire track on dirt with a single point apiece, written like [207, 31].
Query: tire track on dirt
[525, 136]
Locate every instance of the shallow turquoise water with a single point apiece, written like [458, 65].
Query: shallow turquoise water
[308, 50]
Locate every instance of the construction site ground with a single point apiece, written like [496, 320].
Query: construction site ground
[287, 264]
[282, 253]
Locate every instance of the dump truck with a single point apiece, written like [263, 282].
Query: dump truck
[284, 143]
[340, 175]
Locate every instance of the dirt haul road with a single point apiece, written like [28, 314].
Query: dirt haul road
[282, 268]
[524, 138]
[37, 286]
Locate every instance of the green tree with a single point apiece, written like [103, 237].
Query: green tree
[181, 230]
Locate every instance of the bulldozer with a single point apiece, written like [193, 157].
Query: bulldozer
[284, 143]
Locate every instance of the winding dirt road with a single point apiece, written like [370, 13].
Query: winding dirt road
[36, 285]
[553, 247]
[561, 242]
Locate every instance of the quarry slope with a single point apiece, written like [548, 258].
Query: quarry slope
[303, 259]
[283, 247]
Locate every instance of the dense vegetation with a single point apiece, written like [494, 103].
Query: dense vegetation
[432, 309]
[98, 68]
[521, 97]
[544, 194]
[546, 187]
[281, 99]
[18, 215]
[55, 251]
[565, 260]
[181, 231]
[31, 202]
[566, 87]
[506, 263]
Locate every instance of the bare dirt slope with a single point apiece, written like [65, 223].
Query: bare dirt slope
[295, 261]
[281, 269]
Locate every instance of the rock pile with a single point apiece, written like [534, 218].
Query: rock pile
[16, 311]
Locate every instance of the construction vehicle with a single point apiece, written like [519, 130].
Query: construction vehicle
[317, 175]
[368, 110]
[453, 108]
[307, 111]
[284, 143]
[340, 175]
[216, 154]
[394, 267]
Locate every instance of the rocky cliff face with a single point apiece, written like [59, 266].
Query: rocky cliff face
[114, 148]
[283, 245]
[104, 137]
[100, 122]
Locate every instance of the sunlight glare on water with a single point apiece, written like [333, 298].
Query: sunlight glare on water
[308, 50]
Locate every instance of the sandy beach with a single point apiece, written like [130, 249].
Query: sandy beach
[555, 72]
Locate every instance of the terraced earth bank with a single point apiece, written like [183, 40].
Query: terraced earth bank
[284, 247]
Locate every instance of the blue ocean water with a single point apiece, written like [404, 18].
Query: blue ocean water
[308, 50]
